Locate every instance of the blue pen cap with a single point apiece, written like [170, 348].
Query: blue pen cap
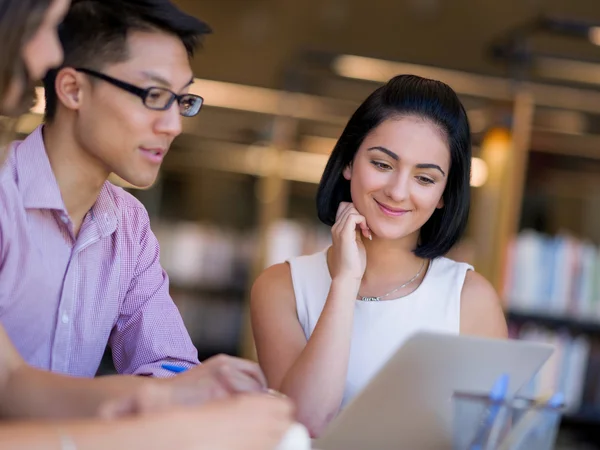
[500, 388]
[556, 401]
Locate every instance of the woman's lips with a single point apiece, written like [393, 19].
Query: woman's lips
[389, 211]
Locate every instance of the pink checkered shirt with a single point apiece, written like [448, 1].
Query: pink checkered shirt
[62, 299]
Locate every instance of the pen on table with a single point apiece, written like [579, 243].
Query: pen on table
[173, 368]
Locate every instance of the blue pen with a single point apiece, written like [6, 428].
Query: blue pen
[173, 368]
[496, 398]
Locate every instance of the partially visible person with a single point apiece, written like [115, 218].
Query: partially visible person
[396, 193]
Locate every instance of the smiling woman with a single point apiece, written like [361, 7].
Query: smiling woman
[396, 194]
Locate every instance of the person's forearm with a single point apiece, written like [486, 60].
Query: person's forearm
[30, 437]
[30, 393]
[317, 379]
[26, 392]
[82, 435]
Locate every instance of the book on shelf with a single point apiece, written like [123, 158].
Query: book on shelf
[553, 275]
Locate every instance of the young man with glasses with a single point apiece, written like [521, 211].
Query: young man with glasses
[79, 264]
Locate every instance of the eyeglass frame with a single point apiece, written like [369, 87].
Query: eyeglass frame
[142, 93]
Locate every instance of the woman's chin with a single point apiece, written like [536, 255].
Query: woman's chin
[388, 233]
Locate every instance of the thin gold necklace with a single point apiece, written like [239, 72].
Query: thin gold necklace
[378, 299]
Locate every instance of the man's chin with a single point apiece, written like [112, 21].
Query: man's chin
[130, 183]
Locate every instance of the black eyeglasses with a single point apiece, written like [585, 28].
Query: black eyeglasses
[155, 98]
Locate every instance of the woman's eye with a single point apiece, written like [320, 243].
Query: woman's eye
[425, 180]
[381, 165]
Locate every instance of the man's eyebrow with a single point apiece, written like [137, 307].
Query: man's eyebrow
[152, 76]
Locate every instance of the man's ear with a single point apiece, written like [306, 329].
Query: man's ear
[68, 87]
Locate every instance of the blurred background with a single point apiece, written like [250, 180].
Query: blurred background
[280, 79]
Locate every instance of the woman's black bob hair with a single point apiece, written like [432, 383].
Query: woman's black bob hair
[434, 101]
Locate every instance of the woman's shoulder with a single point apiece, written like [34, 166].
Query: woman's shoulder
[278, 279]
[481, 308]
[481, 311]
[273, 282]
[475, 286]
[449, 263]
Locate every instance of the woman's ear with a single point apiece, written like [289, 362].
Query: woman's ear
[348, 172]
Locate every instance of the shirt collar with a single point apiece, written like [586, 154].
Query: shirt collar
[37, 184]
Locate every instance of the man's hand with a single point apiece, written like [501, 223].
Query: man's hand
[217, 378]
[234, 374]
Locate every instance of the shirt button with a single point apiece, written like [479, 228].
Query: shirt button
[65, 318]
[64, 219]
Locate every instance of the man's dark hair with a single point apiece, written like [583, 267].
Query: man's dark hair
[94, 34]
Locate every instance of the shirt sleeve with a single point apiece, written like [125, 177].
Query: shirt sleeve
[149, 330]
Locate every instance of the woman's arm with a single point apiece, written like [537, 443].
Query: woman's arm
[312, 373]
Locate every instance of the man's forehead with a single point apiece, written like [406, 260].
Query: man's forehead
[157, 54]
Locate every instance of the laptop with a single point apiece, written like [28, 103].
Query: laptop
[408, 404]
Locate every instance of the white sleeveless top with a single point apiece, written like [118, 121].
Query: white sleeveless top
[381, 327]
